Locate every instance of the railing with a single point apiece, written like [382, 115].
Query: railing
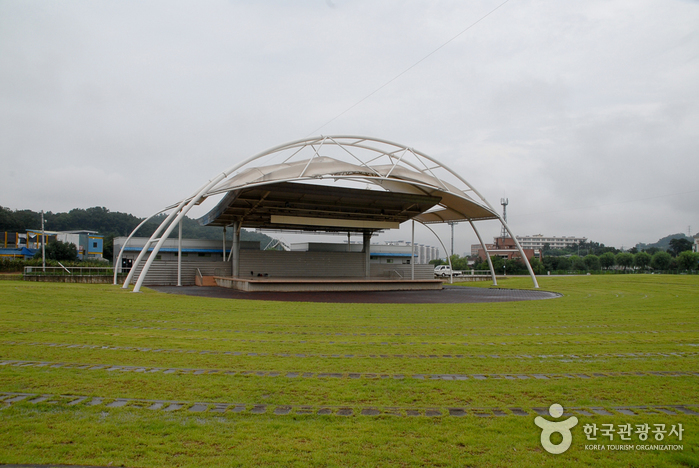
[396, 272]
[63, 271]
[471, 273]
[475, 272]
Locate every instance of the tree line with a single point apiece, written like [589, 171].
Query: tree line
[110, 225]
[597, 258]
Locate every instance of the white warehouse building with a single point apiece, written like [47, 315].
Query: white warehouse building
[538, 241]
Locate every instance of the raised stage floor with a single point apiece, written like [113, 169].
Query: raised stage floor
[325, 284]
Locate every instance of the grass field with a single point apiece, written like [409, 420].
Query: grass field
[94, 375]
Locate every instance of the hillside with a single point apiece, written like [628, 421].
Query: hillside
[663, 243]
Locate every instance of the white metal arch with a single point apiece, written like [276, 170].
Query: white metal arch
[401, 168]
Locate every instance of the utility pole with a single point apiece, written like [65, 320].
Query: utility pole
[43, 243]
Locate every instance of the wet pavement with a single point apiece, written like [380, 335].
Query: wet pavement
[448, 295]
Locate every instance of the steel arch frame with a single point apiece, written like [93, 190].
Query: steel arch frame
[366, 144]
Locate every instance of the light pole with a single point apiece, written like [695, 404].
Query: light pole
[43, 243]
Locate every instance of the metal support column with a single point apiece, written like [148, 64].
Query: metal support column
[117, 263]
[179, 255]
[451, 276]
[366, 248]
[521, 252]
[235, 250]
[487, 256]
[224, 243]
[412, 254]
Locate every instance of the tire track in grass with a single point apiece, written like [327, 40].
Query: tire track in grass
[635, 354]
[8, 399]
[338, 374]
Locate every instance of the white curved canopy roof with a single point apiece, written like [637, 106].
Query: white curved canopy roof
[343, 161]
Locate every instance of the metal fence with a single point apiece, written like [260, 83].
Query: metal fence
[68, 271]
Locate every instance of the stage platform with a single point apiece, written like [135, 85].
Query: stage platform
[325, 284]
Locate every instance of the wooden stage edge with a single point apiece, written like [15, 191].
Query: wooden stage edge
[324, 284]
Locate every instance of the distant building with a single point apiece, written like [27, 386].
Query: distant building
[13, 245]
[193, 250]
[538, 241]
[505, 248]
[89, 244]
[424, 253]
[695, 247]
[380, 253]
[13, 240]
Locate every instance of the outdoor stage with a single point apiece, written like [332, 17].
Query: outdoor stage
[325, 284]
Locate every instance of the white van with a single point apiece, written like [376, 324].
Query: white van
[444, 270]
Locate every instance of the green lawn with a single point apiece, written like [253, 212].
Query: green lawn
[635, 338]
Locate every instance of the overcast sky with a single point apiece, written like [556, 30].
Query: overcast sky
[584, 114]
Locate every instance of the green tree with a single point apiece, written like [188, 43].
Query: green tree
[563, 263]
[679, 245]
[516, 266]
[498, 264]
[58, 250]
[624, 260]
[607, 260]
[687, 260]
[592, 262]
[577, 263]
[537, 267]
[642, 260]
[661, 260]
